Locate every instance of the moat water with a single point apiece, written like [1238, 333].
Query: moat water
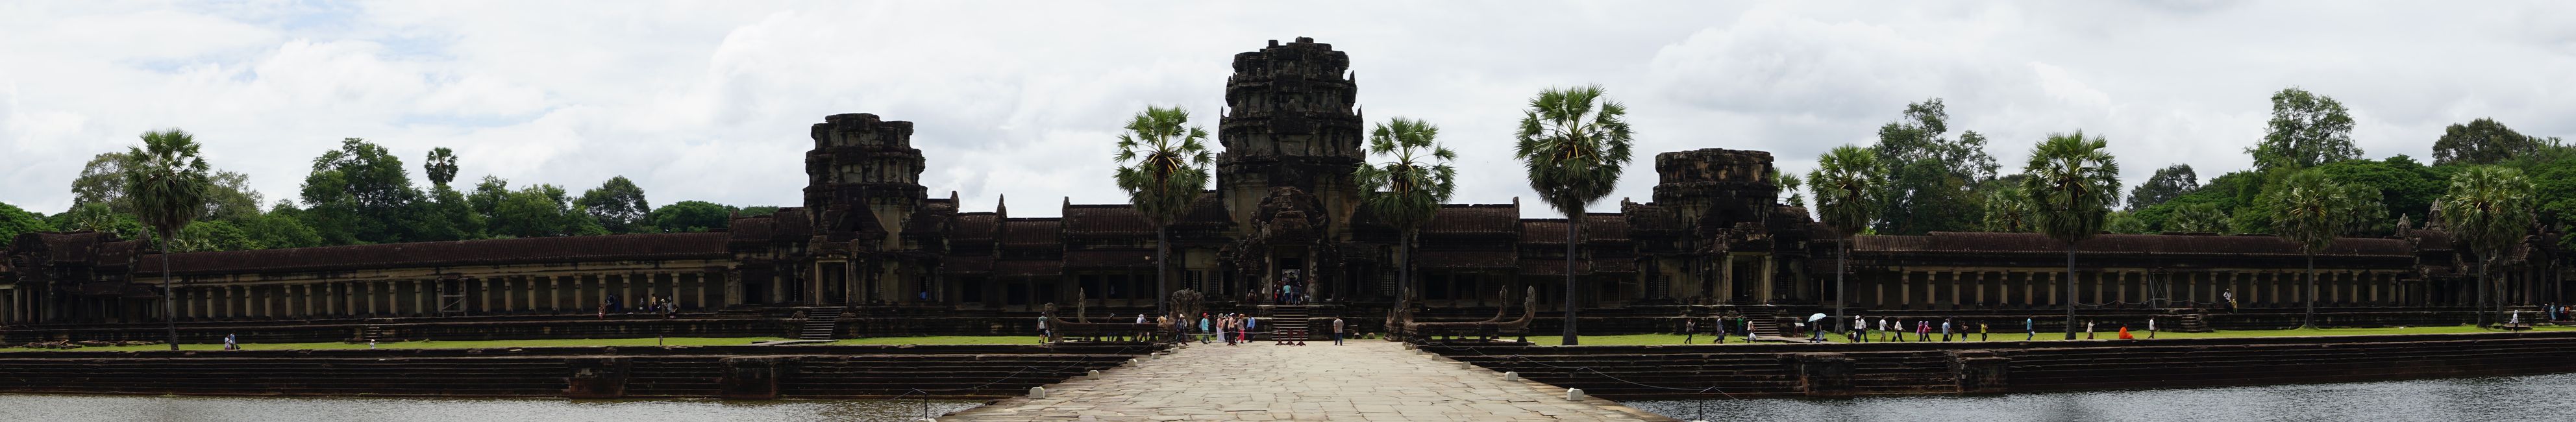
[19, 407]
[2524, 398]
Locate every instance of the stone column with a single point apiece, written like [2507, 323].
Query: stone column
[701, 302]
[554, 292]
[1769, 270]
[1904, 289]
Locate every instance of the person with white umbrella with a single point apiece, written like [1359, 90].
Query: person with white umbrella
[1816, 328]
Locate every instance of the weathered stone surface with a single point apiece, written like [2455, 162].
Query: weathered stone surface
[1363, 380]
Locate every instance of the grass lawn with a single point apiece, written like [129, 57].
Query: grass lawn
[1648, 339]
[671, 341]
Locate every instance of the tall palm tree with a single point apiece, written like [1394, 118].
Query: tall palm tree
[1847, 182]
[2008, 210]
[2310, 209]
[1163, 165]
[1408, 189]
[2488, 208]
[168, 183]
[1573, 142]
[2073, 183]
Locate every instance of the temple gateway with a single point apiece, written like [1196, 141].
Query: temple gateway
[868, 237]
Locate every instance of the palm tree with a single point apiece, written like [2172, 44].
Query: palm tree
[2073, 183]
[1847, 181]
[2008, 210]
[1163, 165]
[167, 182]
[1573, 143]
[1408, 189]
[2310, 209]
[2489, 209]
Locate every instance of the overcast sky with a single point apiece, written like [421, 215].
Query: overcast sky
[711, 101]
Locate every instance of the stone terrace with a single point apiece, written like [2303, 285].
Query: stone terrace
[1366, 380]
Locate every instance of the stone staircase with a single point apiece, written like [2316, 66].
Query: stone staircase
[1765, 320]
[1288, 324]
[2190, 323]
[820, 324]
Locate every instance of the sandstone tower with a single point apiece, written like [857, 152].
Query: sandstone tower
[1290, 121]
[863, 184]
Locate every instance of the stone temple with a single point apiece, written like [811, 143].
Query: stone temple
[871, 240]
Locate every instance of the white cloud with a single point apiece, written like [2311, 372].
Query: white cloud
[711, 101]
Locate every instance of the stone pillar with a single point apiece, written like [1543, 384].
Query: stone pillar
[554, 292]
[1955, 299]
[1725, 279]
[1769, 270]
[1904, 289]
[701, 302]
[532, 284]
[2055, 297]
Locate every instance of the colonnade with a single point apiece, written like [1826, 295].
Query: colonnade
[1959, 288]
[507, 294]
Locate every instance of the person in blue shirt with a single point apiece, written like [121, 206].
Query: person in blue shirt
[2028, 332]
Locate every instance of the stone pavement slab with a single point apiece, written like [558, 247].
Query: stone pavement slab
[1369, 380]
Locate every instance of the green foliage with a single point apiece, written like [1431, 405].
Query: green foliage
[2306, 130]
[1415, 180]
[2008, 210]
[2395, 186]
[1848, 188]
[2488, 208]
[358, 194]
[441, 166]
[1574, 143]
[756, 211]
[2484, 141]
[689, 216]
[445, 216]
[2202, 217]
[282, 227]
[541, 210]
[1930, 177]
[102, 181]
[487, 196]
[617, 204]
[2121, 222]
[1790, 182]
[2310, 208]
[216, 235]
[167, 181]
[15, 221]
[2168, 183]
[231, 198]
[1163, 163]
[99, 217]
[2073, 183]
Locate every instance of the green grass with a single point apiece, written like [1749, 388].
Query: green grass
[1651, 339]
[621, 342]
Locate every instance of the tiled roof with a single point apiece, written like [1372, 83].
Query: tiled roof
[1475, 219]
[627, 247]
[1959, 242]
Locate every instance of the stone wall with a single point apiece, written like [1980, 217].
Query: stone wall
[734, 372]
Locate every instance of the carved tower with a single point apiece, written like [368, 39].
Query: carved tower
[1291, 121]
[863, 184]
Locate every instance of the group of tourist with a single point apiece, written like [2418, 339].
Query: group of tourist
[652, 304]
[1230, 327]
[1861, 329]
[1894, 330]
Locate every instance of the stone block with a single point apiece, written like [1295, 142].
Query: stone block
[596, 377]
[751, 378]
[1980, 371]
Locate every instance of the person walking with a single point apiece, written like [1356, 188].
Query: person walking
[1900, 331]
[1690, 329]
[1337, 331]
[1860, 329]
[1982, 330]
[1882, 329]
[1203, 328]
[1044, 335]
[2029, 330]
[2151, 327]
[1721, 332]
[1225, 328]
[1923, 331]
[1945, 329]
[2088, 329]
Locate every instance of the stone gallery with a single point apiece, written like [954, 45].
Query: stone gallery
[870, 239]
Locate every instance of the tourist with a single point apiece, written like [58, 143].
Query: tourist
[1882, 329]
[1044, 335]
[1140, 318]
[1203, 328]
[2029, 329]
[2151, 327]
[2229, 296]
[230, 343]
[2124, 333]
[1982, 330]
[1337, 331]
[1689, 328]
[1859, 329]
[1900, 330]
[1922, 331]
[1225, 329]
[1721, 331]
[2088, 329]
[1945, 329]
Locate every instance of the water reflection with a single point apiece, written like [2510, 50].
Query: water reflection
[296, 409]
[2525, 398]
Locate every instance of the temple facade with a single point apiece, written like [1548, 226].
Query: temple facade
[1283, 211]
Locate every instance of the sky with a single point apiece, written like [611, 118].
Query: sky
[712, 101]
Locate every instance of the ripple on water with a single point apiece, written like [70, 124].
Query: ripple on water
[2535, 398]
[14, 407]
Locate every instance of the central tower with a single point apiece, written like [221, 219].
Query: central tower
[1290, 121]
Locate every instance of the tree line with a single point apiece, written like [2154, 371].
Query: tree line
[356, 194]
